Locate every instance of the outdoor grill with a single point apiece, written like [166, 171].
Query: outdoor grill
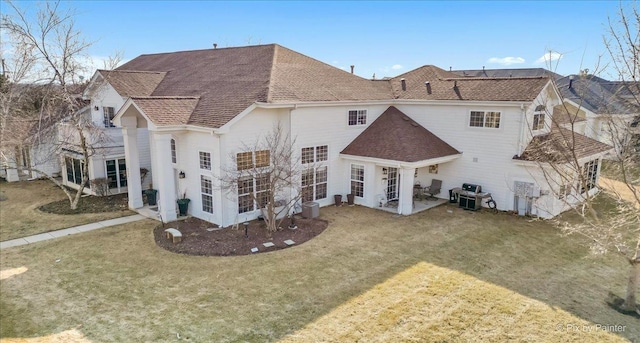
[469, 197]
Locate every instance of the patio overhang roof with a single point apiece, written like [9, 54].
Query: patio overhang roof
[395, 139]
[401, 164]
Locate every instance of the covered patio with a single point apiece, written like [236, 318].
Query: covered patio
[390, 153]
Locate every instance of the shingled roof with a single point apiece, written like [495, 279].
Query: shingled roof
[394, 136]
[167, 110]
[444, 85]
[229, 80]
[596, 95]
[131, 83]
[558, 146]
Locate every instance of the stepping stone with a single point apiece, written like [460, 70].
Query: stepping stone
[289, 242]
[254, 250]
[268, 244]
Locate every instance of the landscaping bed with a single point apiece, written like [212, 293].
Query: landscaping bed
[203, 238]
[89, 204]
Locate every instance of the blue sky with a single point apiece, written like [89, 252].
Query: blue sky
[385, 38]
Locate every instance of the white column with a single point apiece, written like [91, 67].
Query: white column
[405, 203]
[165, 182]
[132, 157]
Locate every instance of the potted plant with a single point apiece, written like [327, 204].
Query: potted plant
[183, 204]
[151, 195]
[338, 199]
[350, 199]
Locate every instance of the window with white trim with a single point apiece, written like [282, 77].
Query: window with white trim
[489, 119]
[565, 191]
[74, 169]
[357, 180]
[116, 172]
[314, 177]
[174, 156]
[590, 171]
[357, 117]
[205, 160]
[206, 190]
[253, 192]
[108, 114]
[538, 118]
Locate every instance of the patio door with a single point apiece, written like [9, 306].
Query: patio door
[393, 180]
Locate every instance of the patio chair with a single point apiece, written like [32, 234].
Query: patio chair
[433, 190]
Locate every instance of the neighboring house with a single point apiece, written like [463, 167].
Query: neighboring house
[611, 113]
[30, 145]
[374, 139]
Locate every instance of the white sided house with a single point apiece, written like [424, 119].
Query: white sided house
[107, 91]
[375, 139]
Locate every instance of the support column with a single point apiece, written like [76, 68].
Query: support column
[165, 182]
[132, 157]
[405, 203]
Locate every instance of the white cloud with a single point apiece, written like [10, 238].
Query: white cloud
[548, 57]
[506, 60]
[396, 67]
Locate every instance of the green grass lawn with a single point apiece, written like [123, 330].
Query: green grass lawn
[441, 275]
[20, 217]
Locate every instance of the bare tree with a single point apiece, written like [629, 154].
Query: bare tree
[609, 226]
[47, 52]
[265, 175]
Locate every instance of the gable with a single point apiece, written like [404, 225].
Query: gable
[394, 136]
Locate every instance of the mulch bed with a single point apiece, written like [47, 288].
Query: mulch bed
[196, 240]
[89, 204]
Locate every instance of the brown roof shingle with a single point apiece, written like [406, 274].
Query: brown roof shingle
[444, 85]
[558, 146]
[394, 136]
[228, 80]
[167, 110]
[132, 83]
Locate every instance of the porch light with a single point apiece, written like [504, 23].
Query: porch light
[384, 171]
[181, 175]
[96, 108]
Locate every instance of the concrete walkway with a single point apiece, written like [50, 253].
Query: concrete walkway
[70, 231]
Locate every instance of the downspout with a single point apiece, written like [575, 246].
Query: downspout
[222, 197]
[399, 185]
[523, 121]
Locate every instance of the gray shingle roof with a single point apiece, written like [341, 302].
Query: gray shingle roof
[394, 136]
[516, 72]
[596, 95]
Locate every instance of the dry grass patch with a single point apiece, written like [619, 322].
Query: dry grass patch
[20, 217]
[435, 274]
[427, 303]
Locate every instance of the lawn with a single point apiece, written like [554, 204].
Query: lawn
[441, 275]
[20, 217]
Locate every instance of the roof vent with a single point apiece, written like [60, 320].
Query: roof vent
[428, 85]
[570, 81]
[414, 124]
[449, 68]
[404, 84]
[215, 45]
[405, 118]
[352, 66]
